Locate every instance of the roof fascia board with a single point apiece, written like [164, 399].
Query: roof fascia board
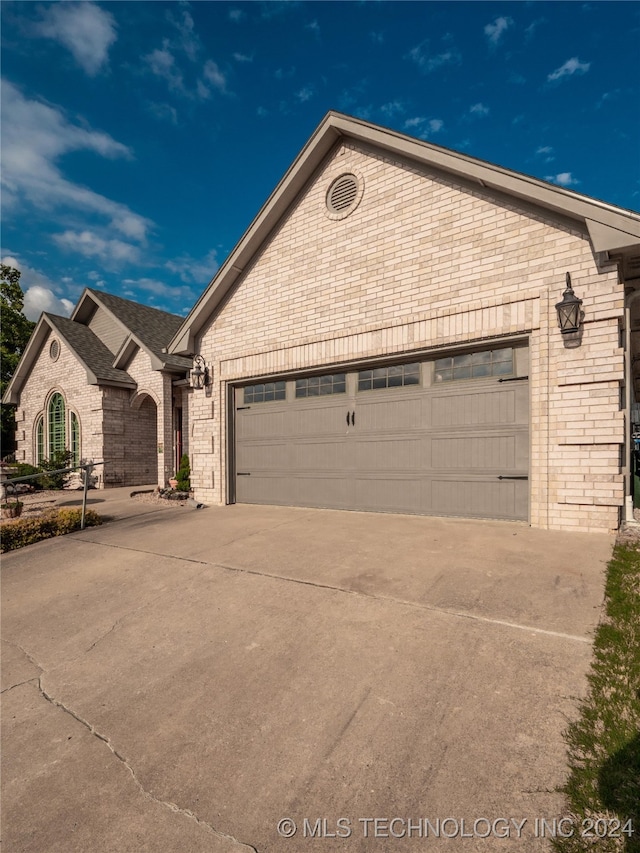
[514, 183]
[126, 352]
[336, 126]
[317, 147]
[607, 239]
[32, 350]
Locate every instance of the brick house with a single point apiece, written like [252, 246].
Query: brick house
[100, 385]
[385, 337]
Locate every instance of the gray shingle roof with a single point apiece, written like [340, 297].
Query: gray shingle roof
[153, 328]
[89, 349]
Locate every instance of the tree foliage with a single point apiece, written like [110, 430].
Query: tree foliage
[15, 331]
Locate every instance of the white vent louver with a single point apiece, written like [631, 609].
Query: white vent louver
[342, 194]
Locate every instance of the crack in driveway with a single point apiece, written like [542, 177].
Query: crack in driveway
[459, 614]
[176, 809]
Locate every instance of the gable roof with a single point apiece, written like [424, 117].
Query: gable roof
[90, 351]
[611, 229]
[146, 328]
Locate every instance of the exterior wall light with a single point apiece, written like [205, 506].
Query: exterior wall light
[569, 313]
[200, 373]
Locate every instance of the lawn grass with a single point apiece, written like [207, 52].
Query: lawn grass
[604, 742]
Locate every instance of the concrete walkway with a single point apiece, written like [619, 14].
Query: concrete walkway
[184, 681]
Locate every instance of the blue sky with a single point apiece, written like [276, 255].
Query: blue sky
[140, 139]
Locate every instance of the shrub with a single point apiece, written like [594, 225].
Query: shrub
[26, 531]
[23, 469]
[184, 472]
[59, 459]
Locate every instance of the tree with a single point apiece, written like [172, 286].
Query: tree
[15, 332]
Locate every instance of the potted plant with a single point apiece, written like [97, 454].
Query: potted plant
[11, 509]
[173, 482]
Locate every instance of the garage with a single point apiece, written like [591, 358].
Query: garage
[436, 436]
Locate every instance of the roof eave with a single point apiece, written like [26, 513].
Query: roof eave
[336, 126]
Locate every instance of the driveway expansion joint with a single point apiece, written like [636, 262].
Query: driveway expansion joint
[402, 601]
[173, 807]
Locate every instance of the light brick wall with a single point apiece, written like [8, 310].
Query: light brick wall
[428, 262]
[130, 430]
[67, 376]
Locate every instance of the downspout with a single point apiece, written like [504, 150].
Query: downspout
[628, 498]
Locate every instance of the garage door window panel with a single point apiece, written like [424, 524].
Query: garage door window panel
[474, 365]
[265, 392]
[321, 386]
[389, 377]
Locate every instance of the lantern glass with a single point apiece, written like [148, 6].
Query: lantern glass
[569, 310]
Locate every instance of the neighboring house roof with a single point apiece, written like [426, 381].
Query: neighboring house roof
[148, 328]
[611, 229]
[145, 328]
[94, 356]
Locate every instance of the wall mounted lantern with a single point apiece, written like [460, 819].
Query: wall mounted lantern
[200, 373]
[569, 313]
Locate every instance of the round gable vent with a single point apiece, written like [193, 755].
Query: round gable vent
[54, 350]
[343, 195]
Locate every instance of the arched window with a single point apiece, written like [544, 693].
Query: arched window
[74, 444]
[39, 439]
[57, 430]
[57, 437]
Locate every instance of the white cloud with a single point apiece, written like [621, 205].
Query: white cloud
[305, 94]
[92, 245]
[261, 112]
[568, 69]
[35, 136]
[314, 26]
[565, 179]
[192, 271]
[479, 110]
[85, 29]
[392, 108]
[428, 62]
[236, 15]
[424, 126]
[546, 152]
[213, 75]
[159, 288]
[38, 291]
[163, 111]
[188, 40]
[163, 64]
[376, 38]
[242, 57]
[284, 73]
[496, 30]
[38, 299]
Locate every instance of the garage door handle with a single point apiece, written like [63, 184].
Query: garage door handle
[348, 418]
[514, 379]
[520, 477]
[353, 418]
[243, 474]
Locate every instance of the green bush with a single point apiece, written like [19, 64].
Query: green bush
[26, 531]
[184, 472]
[23, 469]
[59, 459]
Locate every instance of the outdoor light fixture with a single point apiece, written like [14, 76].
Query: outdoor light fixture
[200, 373]
[569, 314]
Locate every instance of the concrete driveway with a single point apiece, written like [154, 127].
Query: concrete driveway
[185, 680]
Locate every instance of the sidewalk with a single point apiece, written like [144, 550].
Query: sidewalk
[113, 504]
